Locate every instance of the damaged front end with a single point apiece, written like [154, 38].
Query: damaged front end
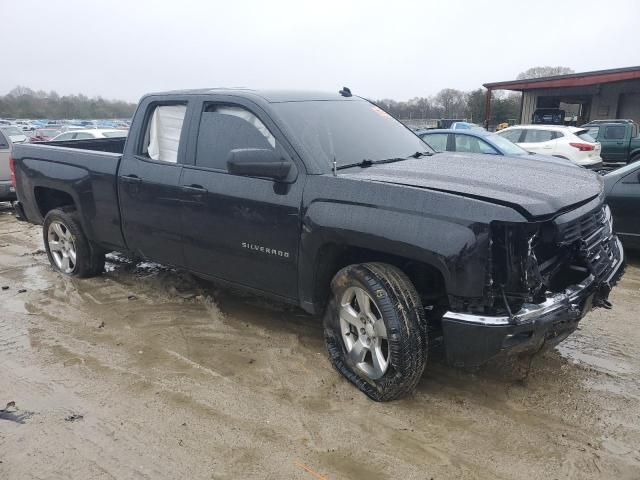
[542, 278]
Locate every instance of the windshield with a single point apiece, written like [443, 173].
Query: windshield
[506, 146]
[349, 131]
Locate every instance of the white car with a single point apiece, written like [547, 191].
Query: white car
[89, 133]
[572, 143]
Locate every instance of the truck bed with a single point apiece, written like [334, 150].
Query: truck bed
[112, 145]
[82, 170]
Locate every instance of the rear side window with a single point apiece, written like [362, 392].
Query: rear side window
[538, 136]
[585, 135]
[163, 130]
[437, 141]
[511, 135]
[224, 128]
[593, 131]
[3, 142]
[614, 132]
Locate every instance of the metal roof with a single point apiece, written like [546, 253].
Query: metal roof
[570, 80]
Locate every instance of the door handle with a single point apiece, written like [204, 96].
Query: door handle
[131, 179]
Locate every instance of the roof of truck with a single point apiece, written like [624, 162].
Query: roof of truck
[271, 96]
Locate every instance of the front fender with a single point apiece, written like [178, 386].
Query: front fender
[457, 250]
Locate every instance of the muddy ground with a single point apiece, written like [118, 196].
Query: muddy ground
[148, 373]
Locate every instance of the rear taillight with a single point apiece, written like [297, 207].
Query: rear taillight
[583, 147]
[12, 169]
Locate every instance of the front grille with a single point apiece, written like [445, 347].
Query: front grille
[583, 227]
[591, 237]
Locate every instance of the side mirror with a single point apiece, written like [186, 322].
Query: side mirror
[258, 162]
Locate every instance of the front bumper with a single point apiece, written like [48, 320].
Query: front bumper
[471, 340]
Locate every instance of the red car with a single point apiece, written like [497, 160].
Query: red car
[44, 134]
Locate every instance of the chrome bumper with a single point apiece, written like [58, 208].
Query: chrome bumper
[568, 300]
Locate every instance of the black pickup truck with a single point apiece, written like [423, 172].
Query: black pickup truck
[327, 202]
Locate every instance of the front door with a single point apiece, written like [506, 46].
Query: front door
[237, 228]
[149, 185]
[614, 140]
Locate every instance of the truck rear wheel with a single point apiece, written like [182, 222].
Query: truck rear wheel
[375, 330]
[67, 247]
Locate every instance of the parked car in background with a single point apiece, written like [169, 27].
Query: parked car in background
[622, 190]
[465, 126]
[548, 116]
[25, 125]
[8, 138]
[89, 133]
[44, 134]
[479, 141]
[6, 123]
[15, 134]
[571, 143]
[619, 139]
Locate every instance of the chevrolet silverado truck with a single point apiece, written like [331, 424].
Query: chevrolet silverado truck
[327, 202]
[619, 139]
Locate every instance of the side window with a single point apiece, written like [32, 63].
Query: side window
[83, 136]
[614, 132]
[486, 148]
[66, 136]
[468, 144]
[163, 130]
[538, 136]
[511, 135]
[3, 142]
[437, 141]
[224, 128]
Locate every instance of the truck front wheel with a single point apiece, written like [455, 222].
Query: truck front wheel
[67, 247]
[375, 330]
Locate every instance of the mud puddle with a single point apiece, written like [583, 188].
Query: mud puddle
[168, 376]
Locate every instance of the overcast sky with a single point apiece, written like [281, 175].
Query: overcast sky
[388, 49]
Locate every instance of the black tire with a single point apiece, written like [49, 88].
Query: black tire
[401, 310]
[635, 158]
[89, 259]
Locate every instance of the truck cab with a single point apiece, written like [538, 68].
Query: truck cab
[619, 139]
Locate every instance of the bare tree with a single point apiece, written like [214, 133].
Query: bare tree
[538, 72]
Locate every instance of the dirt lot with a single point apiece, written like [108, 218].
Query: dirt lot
[146, 372]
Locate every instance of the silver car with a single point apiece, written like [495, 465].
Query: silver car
[8, 136]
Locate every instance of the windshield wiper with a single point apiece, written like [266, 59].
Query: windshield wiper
[367, 163]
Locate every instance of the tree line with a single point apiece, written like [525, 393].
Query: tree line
[452, 103]
[23, 102]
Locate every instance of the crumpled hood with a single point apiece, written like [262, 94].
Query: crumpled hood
[533, 187]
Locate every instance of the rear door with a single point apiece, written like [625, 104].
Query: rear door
[240, 229]
[539, 141]
[149, 181]
[614, 140]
